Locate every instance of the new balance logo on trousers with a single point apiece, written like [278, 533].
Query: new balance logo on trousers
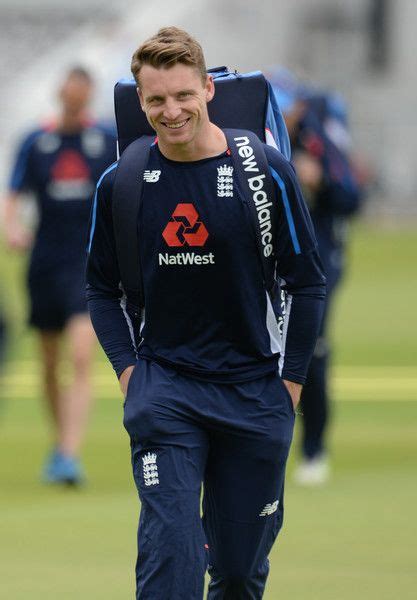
[269, 509]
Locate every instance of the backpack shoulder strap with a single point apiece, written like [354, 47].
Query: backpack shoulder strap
[255, 182]
[126, 206]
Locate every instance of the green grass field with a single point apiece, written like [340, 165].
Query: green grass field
[354, 539]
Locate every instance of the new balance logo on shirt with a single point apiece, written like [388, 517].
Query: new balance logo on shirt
[151, 176]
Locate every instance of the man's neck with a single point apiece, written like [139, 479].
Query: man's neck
[71, 123]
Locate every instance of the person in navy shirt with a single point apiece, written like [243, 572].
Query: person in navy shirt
[321, 153]
[210, 382]
[60, 164]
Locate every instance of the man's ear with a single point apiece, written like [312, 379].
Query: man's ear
[60, 93]
[210, 88]
[140, 98]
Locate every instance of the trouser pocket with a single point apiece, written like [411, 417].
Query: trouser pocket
[287, 397]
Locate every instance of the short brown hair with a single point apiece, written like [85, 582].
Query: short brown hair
[166, 48]
[81, 73]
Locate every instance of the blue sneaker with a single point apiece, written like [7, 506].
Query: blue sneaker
[61, 468]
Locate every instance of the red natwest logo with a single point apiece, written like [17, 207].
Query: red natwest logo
[185, 228]
[70, 165]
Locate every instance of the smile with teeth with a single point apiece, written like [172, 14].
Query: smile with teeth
[176, 125]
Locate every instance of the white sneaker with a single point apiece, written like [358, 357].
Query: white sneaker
[313, 472]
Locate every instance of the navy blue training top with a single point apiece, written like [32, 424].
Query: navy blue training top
[206, 312]
[62, 171]
[339, 195]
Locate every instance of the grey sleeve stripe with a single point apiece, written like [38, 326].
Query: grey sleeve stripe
[123, 302]
[272, 327]
[284, 333]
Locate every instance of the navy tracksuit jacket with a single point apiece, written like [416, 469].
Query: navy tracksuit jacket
[338, 198]
[61, 169]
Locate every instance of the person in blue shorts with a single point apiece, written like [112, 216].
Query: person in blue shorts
[210, 386]
[59, 164]
[321, 153]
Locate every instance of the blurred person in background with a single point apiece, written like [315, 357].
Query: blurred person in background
[60, 163]
[3, 336]
[3, 340]
[321, 154]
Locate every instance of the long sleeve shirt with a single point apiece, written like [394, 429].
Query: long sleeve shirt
[206, 311]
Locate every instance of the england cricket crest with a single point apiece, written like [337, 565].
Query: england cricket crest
[150, 469]
[225, 182]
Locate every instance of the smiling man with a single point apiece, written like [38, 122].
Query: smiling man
[210, 384]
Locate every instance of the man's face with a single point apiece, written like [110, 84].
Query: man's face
[75, 94]
[175, 103]
[293, 117]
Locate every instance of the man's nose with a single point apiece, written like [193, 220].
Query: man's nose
[172, 110]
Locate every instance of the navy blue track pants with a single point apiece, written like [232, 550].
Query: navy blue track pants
[232, 438]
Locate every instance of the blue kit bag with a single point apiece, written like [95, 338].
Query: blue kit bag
[241, 101]
[245, 107]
